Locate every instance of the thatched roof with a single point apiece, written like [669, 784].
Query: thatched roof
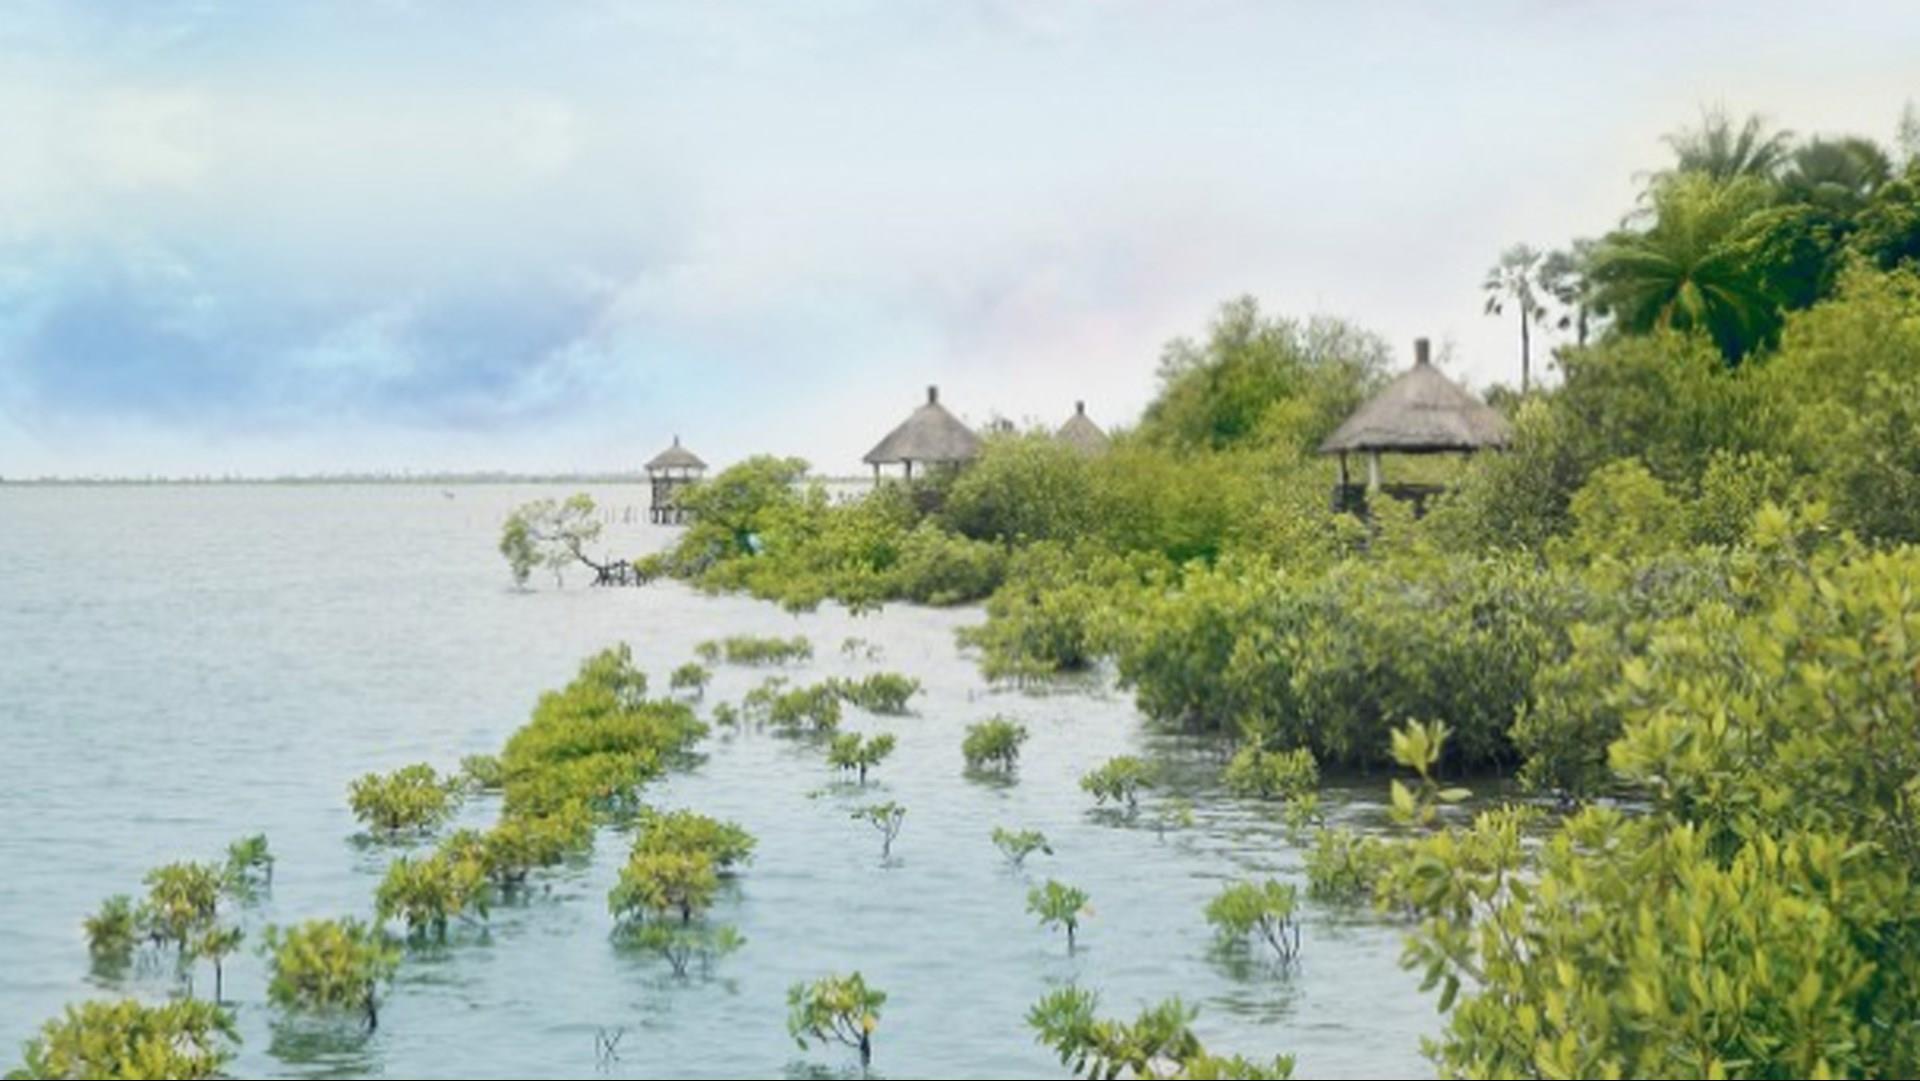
[930, 436]
[675, 457]
[1421, 412]
[1082, 434]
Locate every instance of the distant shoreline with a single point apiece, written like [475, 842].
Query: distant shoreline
[354, 480]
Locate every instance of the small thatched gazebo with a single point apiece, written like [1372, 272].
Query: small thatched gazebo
[1421, 412]
[930, 437]
[671, 470]
[1082, 434]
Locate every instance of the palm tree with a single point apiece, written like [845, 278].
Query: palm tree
[1724, 151]
[1838, 175]
[1510, 283]
[1563, 275]
[1694, 267]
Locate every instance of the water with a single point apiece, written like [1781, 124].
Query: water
[181, 666]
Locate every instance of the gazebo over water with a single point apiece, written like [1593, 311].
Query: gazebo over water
[671, 470]
[929, 437]
[1082, 434]
[1420, 412]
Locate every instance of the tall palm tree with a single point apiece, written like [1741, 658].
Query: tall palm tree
[1838, 175]
[1510, 284]
[1724, 150]
[1563, 275]
[1694, 266]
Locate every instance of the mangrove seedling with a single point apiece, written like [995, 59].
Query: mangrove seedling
[993, 744]
[1017, 845]
[1266, 911]
[183, 903]
[887, 818]
[814, 709]
[184, 1039]
[331, 966]
[681, 946]
[1158, 1043]
[881, 692]
[429, 892]
[412, 799]
[1173, 814]
[1258, 773]
[725, 843]
[753, 650]
[114, 931]
[249, 868]
[692, 678]
[658, 884]
[837, 1009]
[215, 944]
[1119, 781]
[1059, 905]
[851, 753]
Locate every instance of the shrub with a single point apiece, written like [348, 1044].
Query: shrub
[413, 799]
[428, 892]
[185, 1039]
[1017, 845]
[1263, 774]
[331, 965]
[850, 752]
[249, 866]
[1119, 781]
[993, 744]
[660, 883]
[114, 931]
[1158, 1043]
[813, 709]
[756, 651]
[837, 1009]
[692, 677]
[881, 692]
[1267, 911]
[183, 901]
[725, 843]
[888, 818]
[1059, 905]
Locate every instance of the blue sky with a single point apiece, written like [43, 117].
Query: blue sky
[258, 237]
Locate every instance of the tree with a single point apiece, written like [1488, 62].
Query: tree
[1017, 845]
[850, 752]
[1563, 276]
[412, 799]
[1838, 175]
[184, 1039]
[1160, 1043]
[554, 534]
[1512, 283]
[1119, 781]
[1267, 911]
[993, 744]
[1695, 267]
[888, 818]
[1722, 150]
[657, 883]
[837, 1009]
[1059, 905]
[331, 965]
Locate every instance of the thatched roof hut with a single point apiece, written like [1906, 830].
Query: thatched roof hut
[676, 458]
[1082, 434]
[931, 436]
[1421, 412]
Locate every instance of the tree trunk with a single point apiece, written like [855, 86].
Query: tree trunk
[1526, 352]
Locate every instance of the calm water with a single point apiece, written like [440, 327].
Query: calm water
[181, 666]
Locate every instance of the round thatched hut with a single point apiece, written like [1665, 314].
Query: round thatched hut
[1421, 412]
[929, 437]
[1082, 434]
[671, 470]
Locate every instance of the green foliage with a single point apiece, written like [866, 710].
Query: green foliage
[1017, 845]
[1159, 1043]
[249, 867]
[757, 651]
[882, 692]
[691, 677]
[728, 845]
[1263, 774]
[1119, 781]
[814, 709]
[482, 773]
[680, 946]
[1345, 867]
[1024, 488]
[1262, 381]
[183, 902]
[1624, 512]
[662, 883]
[549, 533]
[1267, 911]
[853, 753]
[1057, 904]
[330, 966]
[888, 818]
[836, 1009]
[184, 1039]
[429, 892]
[114, 931]
[993, 744]
[412, 799]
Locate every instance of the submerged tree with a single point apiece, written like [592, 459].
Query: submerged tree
[887, 818]
[837, 1009]
[183, 1039]
[1017, 845]
[553, 534]
[1267, 911]
[330, 966]
[1059, 905]
[851, 753]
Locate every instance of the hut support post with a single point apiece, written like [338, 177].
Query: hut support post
[1373, 470]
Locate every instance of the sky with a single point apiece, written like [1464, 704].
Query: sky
[258, 237]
